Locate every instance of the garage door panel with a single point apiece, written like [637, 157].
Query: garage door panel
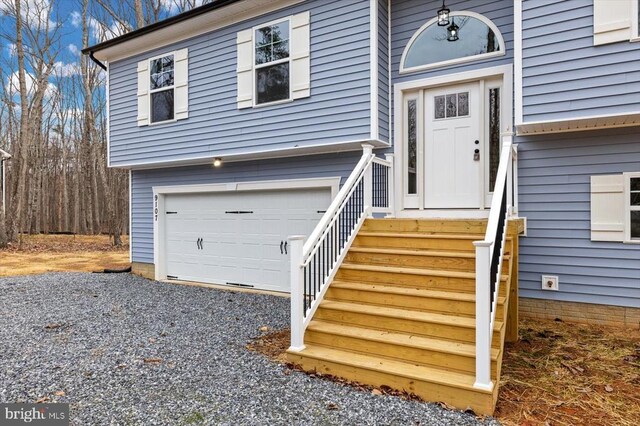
[239, 248]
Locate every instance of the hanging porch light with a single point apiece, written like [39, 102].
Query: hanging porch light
[443, 15]
[452, 31]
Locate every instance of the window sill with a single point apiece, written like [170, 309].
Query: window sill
[635, 39]
[162, 122]
[284, 101]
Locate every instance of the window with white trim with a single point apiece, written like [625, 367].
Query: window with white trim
[633, 204]
[615, 207]
[478, 38]
[273, 62]
[163, 91]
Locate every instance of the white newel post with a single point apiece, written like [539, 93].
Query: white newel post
[514, 171]
[368, 180]
[507, 140]
[297, 293]
[390, 186]
[483, 315]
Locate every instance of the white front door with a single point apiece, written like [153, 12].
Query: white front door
[453, 147]
[238, 238]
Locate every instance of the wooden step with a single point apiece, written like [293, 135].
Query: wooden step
[405, 347]
[418, 277]
[456, 303]
[434, 226]
[431, 384]
[451, 327]
[449, 242]
[416, 258]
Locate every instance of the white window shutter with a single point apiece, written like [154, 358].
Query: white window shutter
[607, 208]
[611, 21]
[245, 68]
[143, 93]
[300, 56]
[181, 98]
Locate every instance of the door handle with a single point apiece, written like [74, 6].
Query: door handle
[281, 242]
[201, 243]
[285, 247]
[476, 155]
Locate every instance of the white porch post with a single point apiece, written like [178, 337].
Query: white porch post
[297, 293]
[483, 315]
[368, 181]
[390, 185]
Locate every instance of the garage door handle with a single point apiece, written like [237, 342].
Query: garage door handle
[281, 242]
[285, 247]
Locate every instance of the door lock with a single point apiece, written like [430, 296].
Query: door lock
[476, 155]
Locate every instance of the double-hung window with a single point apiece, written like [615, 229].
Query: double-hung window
[161, 88]
[272, 63]
[633, 206]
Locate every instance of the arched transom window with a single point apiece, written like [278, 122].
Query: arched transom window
[478, 38]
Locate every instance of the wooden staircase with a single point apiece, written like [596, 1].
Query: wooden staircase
[401, 311]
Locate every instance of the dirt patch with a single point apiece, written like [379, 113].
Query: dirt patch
[273, 345]
[556, 374]
[37, 254]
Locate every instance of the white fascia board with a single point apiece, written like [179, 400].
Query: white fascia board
[595, 122]
[198, 25]
[229, 157]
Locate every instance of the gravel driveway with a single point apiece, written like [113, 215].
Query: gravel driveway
[88, 335]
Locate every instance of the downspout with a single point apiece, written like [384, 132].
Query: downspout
[97, 62]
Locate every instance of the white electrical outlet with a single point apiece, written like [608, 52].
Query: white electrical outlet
[550, 282]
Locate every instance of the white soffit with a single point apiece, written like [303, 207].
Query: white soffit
[578, 124]
[201, 24]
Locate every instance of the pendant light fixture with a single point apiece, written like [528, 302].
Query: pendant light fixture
[443, 15]
[452, 31]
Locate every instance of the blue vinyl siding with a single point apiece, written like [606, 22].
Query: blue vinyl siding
[143, 181]
[337, 111]
[407, 16]
[554, 185]
[564, 75]
[383, 71]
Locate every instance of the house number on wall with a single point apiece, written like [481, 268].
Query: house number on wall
[155, 208]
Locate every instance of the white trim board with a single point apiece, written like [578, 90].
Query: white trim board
[373, 67]
[160, 192]
[464, 59]
[517, 60]
[595, 122]
[229, 157]
[202, 24]
[505, 72]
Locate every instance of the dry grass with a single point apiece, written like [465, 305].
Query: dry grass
[569, 374]
[557, 374]
[37, 254]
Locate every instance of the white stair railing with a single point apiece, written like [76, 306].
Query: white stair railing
[314, 263]
[489, 260]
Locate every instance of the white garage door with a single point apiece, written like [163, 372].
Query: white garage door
[238, 238]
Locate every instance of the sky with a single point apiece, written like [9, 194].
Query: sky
[67, 14]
